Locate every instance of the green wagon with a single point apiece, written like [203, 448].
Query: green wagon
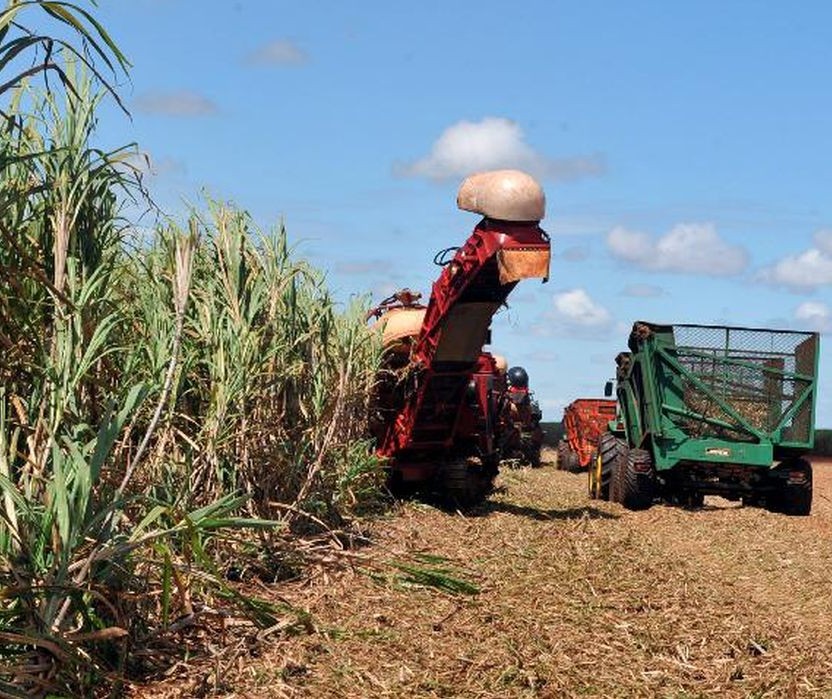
[711, 410]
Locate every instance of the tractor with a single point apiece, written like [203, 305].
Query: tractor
[436, 415]
[711, 410]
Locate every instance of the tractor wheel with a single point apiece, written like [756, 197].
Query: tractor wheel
[608, 449]
[636, 480]
[463, 484]
[795, 495]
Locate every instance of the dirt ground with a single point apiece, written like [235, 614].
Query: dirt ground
[544, 593]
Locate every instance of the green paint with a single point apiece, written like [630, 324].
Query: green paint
[718, 394]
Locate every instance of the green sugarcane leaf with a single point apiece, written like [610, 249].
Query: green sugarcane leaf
[78, 483]
[60, 496]
[110, 428]
[150, 518]
[225, 504]
[59, 12]
[7, 487]
[10, 51]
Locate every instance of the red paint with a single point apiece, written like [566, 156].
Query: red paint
[452, 408]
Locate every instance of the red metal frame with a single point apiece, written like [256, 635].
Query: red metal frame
[451, 409]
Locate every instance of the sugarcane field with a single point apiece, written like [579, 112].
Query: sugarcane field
[339, 357]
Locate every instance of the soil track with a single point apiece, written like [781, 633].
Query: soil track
[575, 598]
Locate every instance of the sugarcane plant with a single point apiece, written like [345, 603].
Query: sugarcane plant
[38, 36]
[162, 390]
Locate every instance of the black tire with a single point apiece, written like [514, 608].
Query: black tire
[490, 469]
[401, 489]
[794, 497]
[463, 484]
[609, 447]
[636, 480]
[751, 500]
[573, 462]
[692, 499]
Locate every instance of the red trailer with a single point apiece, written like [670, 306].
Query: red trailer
[584, 421]
[436, 420]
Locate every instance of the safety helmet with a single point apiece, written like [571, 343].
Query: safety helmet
[518, 377]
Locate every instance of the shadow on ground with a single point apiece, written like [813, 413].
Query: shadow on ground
[536, 513]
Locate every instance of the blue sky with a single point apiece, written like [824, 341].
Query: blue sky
[685, 150]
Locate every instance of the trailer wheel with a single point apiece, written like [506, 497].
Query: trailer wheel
[463, 484]
[573, 463]
[795, 496]
[608, 449]
[636, 480]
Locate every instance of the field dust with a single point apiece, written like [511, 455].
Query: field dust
[544, 593]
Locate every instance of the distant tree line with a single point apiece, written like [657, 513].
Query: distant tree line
[823, 442]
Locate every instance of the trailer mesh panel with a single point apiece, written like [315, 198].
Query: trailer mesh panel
[758, 374]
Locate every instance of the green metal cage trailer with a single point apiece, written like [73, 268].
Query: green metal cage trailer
[711, 410]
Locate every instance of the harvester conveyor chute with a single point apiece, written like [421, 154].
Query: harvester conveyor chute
[431, 424]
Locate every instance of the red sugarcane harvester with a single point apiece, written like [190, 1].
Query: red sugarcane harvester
[436, 417]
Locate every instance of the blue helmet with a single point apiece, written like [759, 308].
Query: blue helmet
[517, 377]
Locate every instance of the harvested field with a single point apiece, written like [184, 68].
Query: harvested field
[566, 598]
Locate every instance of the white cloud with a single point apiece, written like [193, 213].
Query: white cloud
[279, 53]
[576, 314]
[814, 315]
[179, 103]
[643, 291]
[805, 271]
[576, 307]
[491, 144]
[628, 245]
[691, 248]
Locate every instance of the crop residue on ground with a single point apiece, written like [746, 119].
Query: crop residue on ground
[544, 593]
